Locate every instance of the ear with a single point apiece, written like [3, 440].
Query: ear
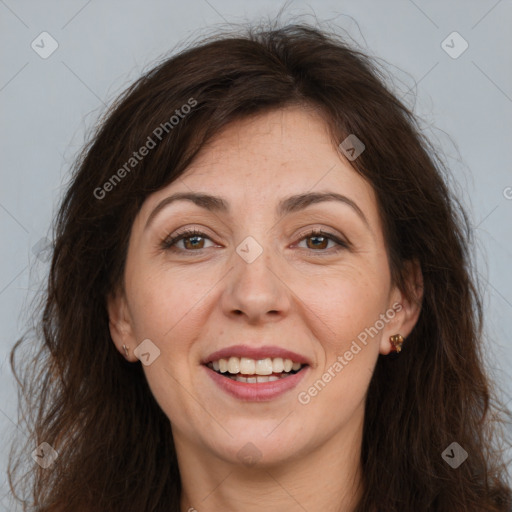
[120, 324]
[407, 307]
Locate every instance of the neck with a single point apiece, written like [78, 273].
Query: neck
[328, 478]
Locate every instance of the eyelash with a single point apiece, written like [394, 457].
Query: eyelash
[169, 242]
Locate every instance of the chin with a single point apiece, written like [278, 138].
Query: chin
[259, 444]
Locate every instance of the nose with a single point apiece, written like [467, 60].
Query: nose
[256, 291]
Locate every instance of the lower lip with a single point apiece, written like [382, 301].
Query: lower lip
[257, 391]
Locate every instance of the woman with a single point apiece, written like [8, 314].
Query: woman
[261, 298]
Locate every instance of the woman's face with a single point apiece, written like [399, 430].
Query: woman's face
[254, 284]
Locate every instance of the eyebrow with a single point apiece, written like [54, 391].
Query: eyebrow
[286, 206]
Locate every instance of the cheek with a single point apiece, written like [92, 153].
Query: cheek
[348, 302]
[168, 307]
[344, 314]
[338, 394]
[165, 303]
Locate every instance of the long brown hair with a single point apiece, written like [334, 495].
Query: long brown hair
[96, 410]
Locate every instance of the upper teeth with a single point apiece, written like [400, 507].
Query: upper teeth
[248, 366]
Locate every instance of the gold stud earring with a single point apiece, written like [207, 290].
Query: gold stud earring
[397, 341]
[125, 348]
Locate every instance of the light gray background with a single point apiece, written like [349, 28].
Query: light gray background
[47, 104]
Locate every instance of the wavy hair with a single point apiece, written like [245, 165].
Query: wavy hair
[78, 394]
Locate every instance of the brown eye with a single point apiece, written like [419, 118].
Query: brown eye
[192, 240]
[318, 241]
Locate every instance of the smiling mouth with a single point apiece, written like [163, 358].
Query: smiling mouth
[254, 371]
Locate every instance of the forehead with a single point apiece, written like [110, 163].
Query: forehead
[282, 138]
[289, 148]
[254, 162]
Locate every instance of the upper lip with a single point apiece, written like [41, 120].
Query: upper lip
[256, 353]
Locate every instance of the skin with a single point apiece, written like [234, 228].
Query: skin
[298, 294]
